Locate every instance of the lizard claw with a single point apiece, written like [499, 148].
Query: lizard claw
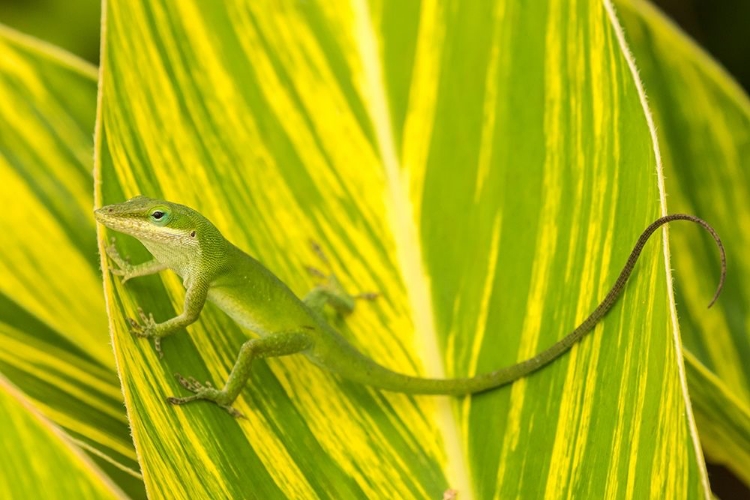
[190, 383]
[136, 328]
[157, 347]
[318, 251]
[145, 328]
[234, 412]
[149, 320]
[122, 263]
[207, 392]
[367, 296]
[315, 272]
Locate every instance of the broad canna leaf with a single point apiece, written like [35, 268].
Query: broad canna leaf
[721, 417]
[485, 167]
[39, 460]
[53, 326]
[703, 120]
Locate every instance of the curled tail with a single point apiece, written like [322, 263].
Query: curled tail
[347, 361]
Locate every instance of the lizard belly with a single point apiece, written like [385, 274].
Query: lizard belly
[237, 309]
[259, 309]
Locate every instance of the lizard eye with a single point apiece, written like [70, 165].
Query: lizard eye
[160, 215]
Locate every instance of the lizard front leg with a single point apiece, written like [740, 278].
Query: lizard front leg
[195, 299]
[126, 269]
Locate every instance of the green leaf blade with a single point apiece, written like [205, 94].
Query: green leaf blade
[53, 342]
[489, 182]
[36, 453]
[703, 120]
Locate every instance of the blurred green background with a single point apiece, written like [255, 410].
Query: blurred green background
[720, 26]
[70, 24]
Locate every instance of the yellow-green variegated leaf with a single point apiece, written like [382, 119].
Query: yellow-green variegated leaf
[485, 166]
[721, 417]
[39, 460]
[53, 327]
[703, 120]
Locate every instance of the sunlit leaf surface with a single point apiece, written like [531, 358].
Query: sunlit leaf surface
[53, 326]
[486, 167]
[39, 461]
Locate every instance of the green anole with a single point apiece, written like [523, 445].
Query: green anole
[212, 268]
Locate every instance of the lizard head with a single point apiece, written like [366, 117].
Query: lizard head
[153, 221]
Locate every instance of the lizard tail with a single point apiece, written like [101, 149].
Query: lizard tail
[355, 366]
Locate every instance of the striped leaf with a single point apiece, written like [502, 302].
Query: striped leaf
[703, 119]
[40, 461]
[53, 325]
[486, 167]
[722, 418]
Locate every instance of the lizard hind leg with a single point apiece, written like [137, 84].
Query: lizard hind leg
[331, 291]
[272, 345]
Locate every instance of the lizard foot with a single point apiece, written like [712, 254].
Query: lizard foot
[145, 329]
[124, 267]
[330, 290]
[206, 392]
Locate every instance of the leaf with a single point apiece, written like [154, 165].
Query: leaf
[703, 119]
[53, 343]
[485, 170]
[36, 452]
[722, 419]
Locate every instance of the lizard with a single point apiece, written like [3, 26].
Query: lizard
[181, 239]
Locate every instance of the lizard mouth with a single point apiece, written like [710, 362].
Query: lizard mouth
[112, 219]
[105, 216]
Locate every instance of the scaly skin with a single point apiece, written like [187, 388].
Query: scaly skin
[213, 269]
